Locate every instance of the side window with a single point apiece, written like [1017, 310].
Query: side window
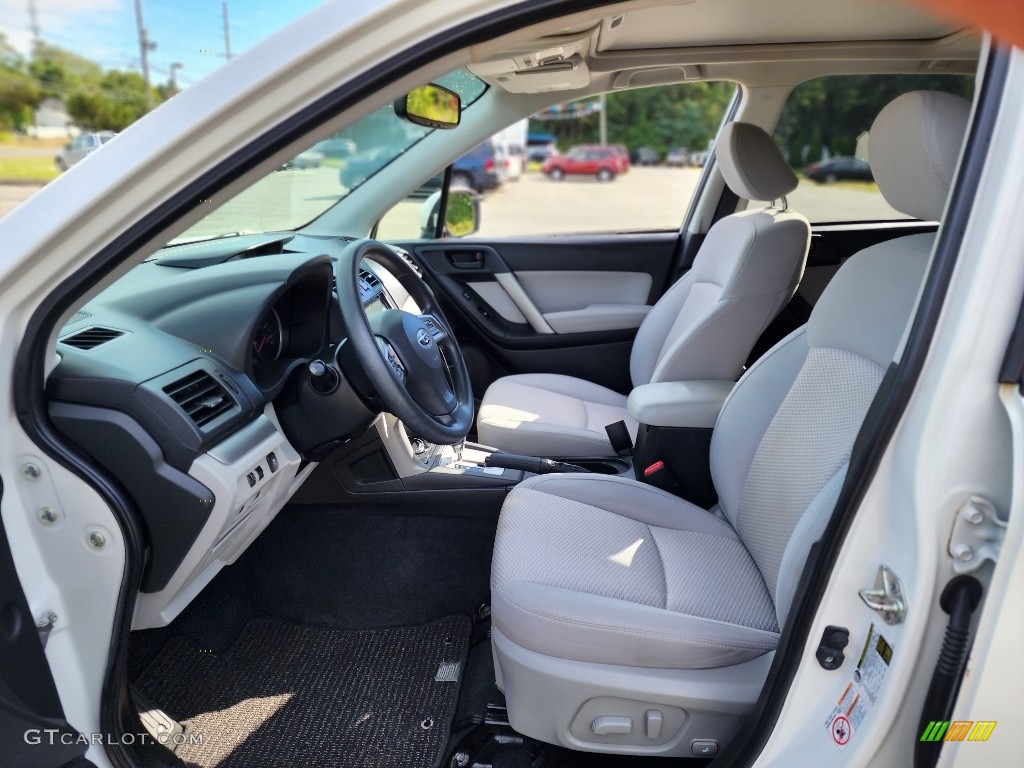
[823, 132]
[568, 183]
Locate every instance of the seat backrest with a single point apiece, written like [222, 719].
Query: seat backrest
[782, 444]
[746, 271]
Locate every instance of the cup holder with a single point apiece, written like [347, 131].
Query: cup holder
[606, 466]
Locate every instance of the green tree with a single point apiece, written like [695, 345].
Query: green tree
[117, 101]
[830, 113]
[60, 73]
[660, 117]
[19, 93]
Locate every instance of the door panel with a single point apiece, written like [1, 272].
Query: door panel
[568, 305]
[577, 301]
[33, 730]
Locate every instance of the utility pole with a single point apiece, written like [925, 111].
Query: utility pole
[227, 36]
[603, 121]
[144, 48]
[33, 16]
[174, 68]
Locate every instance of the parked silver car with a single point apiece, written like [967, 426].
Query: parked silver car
[80, 146]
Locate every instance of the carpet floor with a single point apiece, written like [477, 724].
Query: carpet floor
[291, 695]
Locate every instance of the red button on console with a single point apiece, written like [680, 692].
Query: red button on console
[655, 467]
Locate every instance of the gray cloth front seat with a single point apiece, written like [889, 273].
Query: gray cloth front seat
[704, 327]
[612, 600]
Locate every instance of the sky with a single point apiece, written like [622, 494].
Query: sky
[183, 30]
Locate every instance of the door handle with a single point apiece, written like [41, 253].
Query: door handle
[466, 259]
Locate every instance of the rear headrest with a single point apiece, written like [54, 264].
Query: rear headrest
[751, 164]
[914, 145]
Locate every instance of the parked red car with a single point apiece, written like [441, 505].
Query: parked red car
[603, 162]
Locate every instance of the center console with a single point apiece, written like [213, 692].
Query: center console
[671, 451]
[673, 443]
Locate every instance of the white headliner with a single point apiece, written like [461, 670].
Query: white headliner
[746, 22]
[754, 42]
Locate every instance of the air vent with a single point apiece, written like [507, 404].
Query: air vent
[201, 397]
[91, 338]
[371, 279]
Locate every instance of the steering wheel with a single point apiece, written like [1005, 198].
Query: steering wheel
[411, 364]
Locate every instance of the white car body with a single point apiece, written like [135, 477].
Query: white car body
[958, 435]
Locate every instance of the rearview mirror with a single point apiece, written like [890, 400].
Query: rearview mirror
[430, 105]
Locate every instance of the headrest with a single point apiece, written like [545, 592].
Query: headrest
[914, 145]
[751, 164]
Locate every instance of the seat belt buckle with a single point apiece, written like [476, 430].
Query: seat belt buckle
[619, 437]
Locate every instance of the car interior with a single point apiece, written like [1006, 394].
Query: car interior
[518, 500]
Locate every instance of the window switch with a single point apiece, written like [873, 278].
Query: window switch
[272, 462]
[259, 471]
[251, 477]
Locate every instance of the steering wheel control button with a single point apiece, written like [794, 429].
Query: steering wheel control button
[272, 462]
[704, 747]
[609, 725]
[423, 337]
[251, 477]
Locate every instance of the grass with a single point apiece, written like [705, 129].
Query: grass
[8, 139]
[28, 169]
[859, 186]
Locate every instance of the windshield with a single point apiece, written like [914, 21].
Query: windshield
[326, 173]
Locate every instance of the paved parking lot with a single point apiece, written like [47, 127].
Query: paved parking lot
[11, 195]
[644, 198]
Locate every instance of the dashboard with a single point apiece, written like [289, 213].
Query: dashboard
[180, 379]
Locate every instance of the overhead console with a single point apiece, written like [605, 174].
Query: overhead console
[552, 64]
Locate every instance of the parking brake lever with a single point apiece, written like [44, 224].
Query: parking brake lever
[534, 464]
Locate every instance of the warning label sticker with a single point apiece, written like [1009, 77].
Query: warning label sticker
[860, 693]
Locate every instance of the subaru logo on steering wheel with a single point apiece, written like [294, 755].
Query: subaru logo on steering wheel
[423, 337]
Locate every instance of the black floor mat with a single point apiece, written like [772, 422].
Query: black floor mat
[290, 695]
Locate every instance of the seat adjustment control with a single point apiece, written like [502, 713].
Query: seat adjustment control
[704, 747]
[608, 725]
[654, 720]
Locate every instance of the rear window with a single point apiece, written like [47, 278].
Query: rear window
[823, 133]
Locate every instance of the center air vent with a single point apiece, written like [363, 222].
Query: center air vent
[91, 338]
[201, 397]
[371, 279]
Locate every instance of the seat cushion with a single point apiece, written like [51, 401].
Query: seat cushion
[542, 414]
[608, 570]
